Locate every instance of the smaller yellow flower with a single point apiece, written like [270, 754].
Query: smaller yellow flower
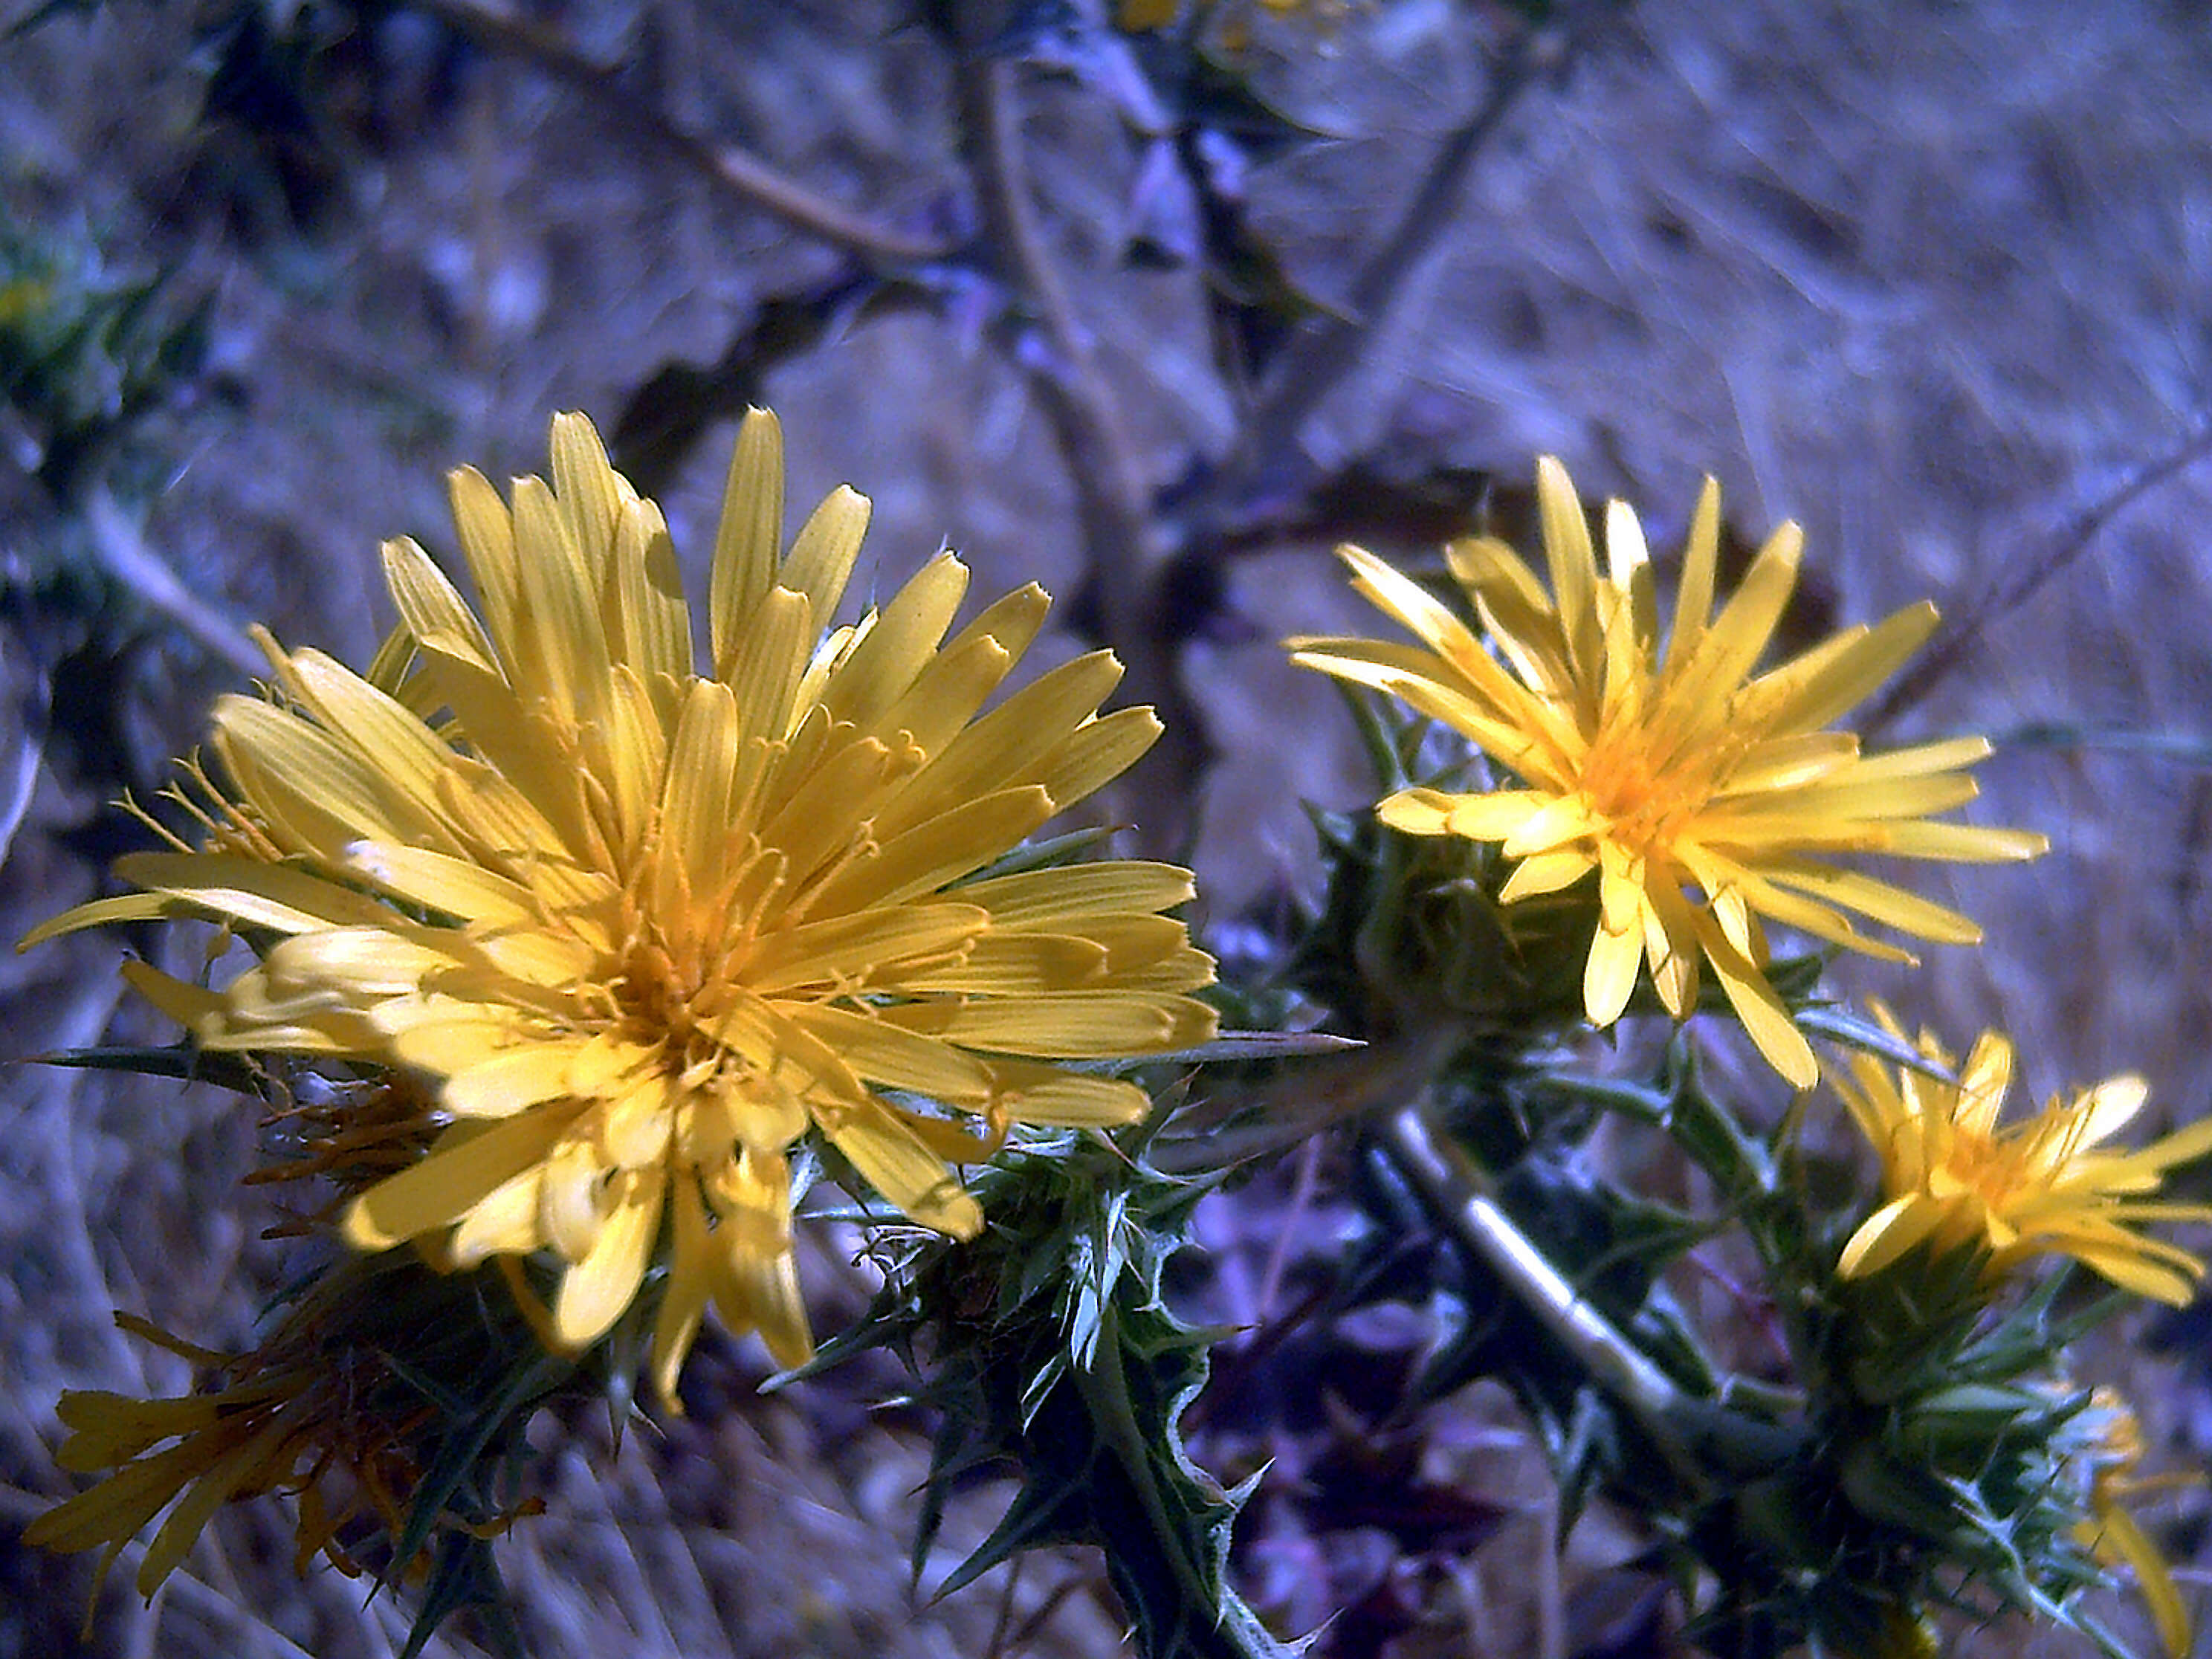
[1704, 798]
[283, 1418]
[2113, 1535]
[1952, 1178]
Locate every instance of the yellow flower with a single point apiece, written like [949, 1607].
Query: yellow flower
[1704, 799]
[1905, 1633]
[279, 1419]
[646, 926]
[2113, 1535]
[1951, 1177]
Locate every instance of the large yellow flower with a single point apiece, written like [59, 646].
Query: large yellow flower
[2044, 1186]
[1703, 799]
[648, 926]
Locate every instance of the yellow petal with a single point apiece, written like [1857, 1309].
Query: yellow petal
[824, 551]
[323, 793]
[507, 1082]
[761, 1292]
[1765, 1019]
[650, 624]
[487, 532]
[101, 912]
[1005, 742]
[403, 757]
[1410, 604]
[503, 1223]
[465, 1166]
[749, 542]
[1043, 897]
[1841, 673]
[1573, 562]
[1893, 906]
[1418, 811]
[1693, 598]
[458, 888]
[895, 1058]
[245, 890]
[1503, 815]
[1011, 964]
[690, 1283]
[1546, 873]
[1519, 616]
[595, 1290]
[952, 844]
[589, 491]
[900, 645]
[431, 607]
[1962, 843]
[893, 1160]
[1096, 753]
[1072, 1100]
[702, 759]
[1887, 1234]
[207, 1494]
[360, 963]
[854, 945]
[1616, 951]
[1068, 1025]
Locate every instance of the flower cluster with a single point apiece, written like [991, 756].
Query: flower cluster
[576, 936]
[1702, 796]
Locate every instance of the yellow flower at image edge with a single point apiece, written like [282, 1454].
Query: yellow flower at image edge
[279, 1419]
[2113, 1535]
[1704, 798]
[646, 926]
[2046, 1186]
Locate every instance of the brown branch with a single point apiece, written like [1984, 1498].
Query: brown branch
[1267, 457]
[736, 172]
[147, 577]
[1948, 651]
[1121, 543]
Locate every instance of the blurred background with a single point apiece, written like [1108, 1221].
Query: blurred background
[1152, 305]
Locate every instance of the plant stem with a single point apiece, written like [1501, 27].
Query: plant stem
[1705, 1443]
[1452, 1183]
[1122, 542]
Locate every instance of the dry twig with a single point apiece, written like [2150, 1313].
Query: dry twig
[1949, 649]
[736, 171]
[1121, 540]
[1267, 461]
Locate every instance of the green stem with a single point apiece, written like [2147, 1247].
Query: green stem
[1699, 1439]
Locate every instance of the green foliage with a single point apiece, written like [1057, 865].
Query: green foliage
[1048, 1348]
[88, 355]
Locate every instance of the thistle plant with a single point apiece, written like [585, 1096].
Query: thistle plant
[582, 955]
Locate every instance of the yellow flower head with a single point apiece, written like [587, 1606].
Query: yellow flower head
[1704, 798]
[2044, 1186]
[280, 1419]
[646, 923]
